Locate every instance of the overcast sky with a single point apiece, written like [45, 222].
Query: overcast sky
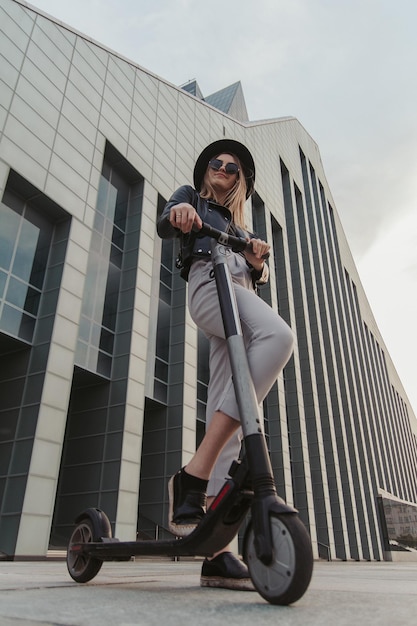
[346, 69]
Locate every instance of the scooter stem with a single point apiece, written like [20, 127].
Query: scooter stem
[266, 500]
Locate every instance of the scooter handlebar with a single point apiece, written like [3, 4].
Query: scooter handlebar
[237, 244]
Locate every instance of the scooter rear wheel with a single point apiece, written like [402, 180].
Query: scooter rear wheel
[286, 579]
[82, 567]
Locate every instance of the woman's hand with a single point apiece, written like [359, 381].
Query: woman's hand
[254, 256]
[184, 216]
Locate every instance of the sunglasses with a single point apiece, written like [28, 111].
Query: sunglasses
[230, 168]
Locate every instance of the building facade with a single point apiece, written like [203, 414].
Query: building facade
[103, 373]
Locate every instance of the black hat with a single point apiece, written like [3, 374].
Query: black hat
[226, 146]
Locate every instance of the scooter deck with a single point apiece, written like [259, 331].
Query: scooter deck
[215, 531]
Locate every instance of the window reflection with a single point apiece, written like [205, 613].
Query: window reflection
[9, 221]
[401, 524]
[24, 247]
[3, 278]
[25, 251]
[101, 297]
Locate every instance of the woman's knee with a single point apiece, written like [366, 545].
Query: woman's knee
[279, 340]
[286, 336]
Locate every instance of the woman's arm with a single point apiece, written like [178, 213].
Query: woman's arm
[259, 269]
[168, 226]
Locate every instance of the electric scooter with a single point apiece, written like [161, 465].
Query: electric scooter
[276, 546]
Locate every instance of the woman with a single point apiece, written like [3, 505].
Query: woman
[224, 177]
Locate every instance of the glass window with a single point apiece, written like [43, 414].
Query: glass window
[22, 296]
[9, 221]
[25, 251]
[10, 320]
[3, 278]
[25, 238]
[104, 273]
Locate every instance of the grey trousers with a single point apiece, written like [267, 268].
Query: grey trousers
[268, 339]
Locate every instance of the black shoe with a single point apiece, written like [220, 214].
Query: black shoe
[186, 508]
[226, 571]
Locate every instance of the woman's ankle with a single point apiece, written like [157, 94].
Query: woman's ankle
[190, 482]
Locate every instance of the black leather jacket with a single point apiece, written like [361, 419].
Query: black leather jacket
[193, 245]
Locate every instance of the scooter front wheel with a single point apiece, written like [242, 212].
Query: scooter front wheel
[82, 567]
[287, 577]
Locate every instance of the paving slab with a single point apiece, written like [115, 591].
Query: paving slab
[167, 593]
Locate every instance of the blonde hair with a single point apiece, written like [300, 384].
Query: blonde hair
[236, 197]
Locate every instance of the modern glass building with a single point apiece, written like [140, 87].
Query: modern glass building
[103, 374]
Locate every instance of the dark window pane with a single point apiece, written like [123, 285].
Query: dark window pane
[16, 292]
[25, 253]
[10, 320]
[9, 225]
[3, 278]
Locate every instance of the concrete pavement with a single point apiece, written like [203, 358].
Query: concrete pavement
[162, 592]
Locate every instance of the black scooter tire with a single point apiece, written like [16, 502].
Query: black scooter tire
[286, 579]
[82, 567]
